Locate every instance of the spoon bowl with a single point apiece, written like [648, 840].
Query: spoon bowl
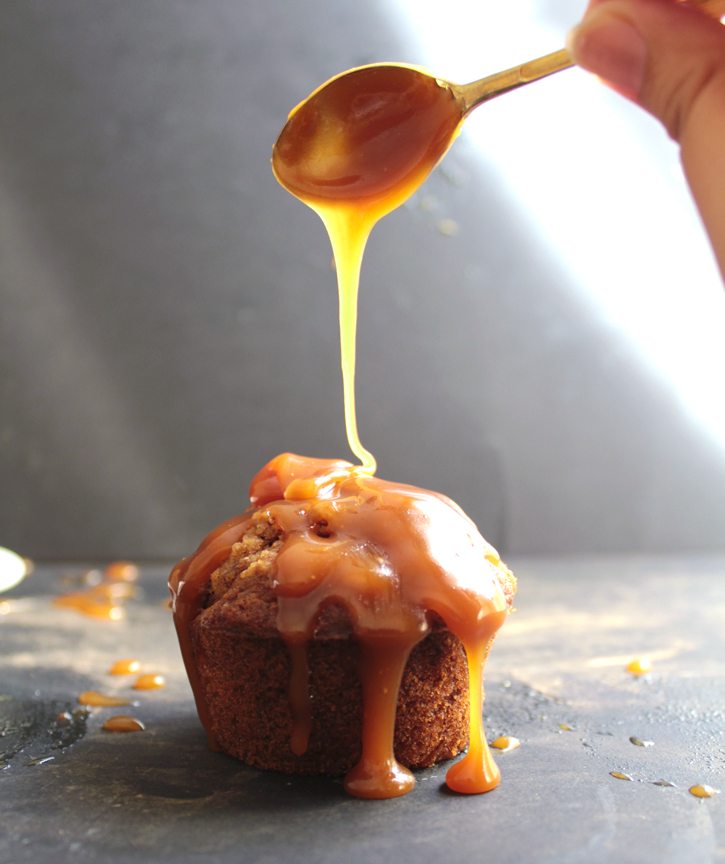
[374, 133]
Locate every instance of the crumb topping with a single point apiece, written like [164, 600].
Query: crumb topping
[253, 556]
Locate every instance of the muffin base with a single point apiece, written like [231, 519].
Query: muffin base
[245, 682]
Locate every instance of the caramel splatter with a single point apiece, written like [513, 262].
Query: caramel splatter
[127, 666]
[100, 700]
[702, 790]
[123, 723]
[121, 571]
[639, 666]
[102, 599]
[149, 682]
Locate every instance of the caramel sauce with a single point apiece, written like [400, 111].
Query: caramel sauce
[149, 681]
[100, 700]
[123, 723]
[369, 134]
[126, 666]
[355, 150]
[396, 558]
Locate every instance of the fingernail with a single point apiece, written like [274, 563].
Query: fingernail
[611, 48]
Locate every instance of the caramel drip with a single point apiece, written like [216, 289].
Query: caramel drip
[188, 584]
[378, 774]
[299, 699]
[355, 150]
[477, 772]
[395, 557]
[349, 229]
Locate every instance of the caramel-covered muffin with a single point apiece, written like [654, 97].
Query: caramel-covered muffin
[334, 626]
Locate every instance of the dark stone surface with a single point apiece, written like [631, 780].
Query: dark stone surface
[161, 795]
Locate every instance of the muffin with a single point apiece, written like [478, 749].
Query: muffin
[333, 628]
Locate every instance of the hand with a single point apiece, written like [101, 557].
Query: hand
[669, 58]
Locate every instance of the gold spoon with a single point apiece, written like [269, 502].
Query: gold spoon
[376, 132]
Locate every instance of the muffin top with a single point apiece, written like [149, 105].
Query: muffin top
[327, 550]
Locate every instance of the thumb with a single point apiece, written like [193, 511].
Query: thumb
[662, 54]
[669, 57]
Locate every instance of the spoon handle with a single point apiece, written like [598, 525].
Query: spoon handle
[480, 91]
[473, 94]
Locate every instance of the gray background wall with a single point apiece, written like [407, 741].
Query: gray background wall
[168, 314]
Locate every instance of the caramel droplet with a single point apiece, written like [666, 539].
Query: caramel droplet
[100, 700]
[620, 775]
[703, 791]
[565, 727]
[149, 682]
[121, 571]
[504, 743]
[127, 666]
[638, 742]
[91, 606]
[123, 723]
[639, 666]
